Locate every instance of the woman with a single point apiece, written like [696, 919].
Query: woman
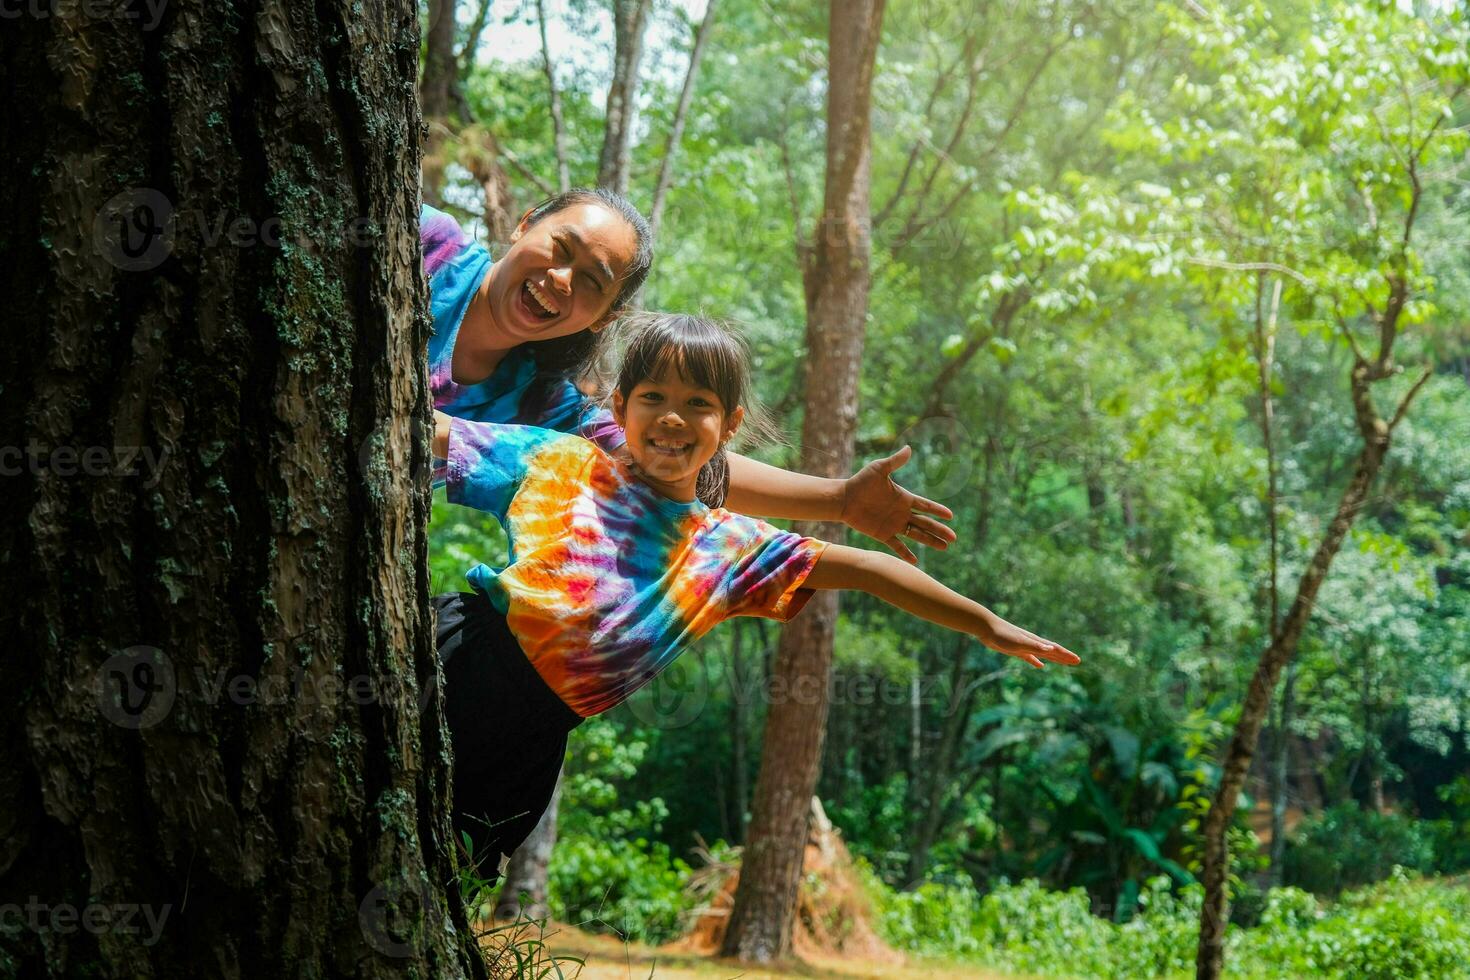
[510, 337]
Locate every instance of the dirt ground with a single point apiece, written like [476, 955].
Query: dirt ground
[608, 958]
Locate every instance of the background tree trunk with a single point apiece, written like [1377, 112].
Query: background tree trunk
[630, 20]
[210, 228]
[837, 281]
[1376, 433]
[681, 114]
[440, 96]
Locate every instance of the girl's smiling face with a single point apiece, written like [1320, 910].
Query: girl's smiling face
[561, 274]
[673, 427]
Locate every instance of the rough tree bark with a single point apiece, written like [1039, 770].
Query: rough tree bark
[630, 20]
[217, 322]
[836, 277]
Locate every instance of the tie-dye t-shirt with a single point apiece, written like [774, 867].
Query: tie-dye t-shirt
[608, 580]
[456, 265]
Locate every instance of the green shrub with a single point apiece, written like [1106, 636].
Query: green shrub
[1347, 846]
[1401, 928]
[631, 887]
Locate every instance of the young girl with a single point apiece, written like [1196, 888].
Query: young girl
[616, 565]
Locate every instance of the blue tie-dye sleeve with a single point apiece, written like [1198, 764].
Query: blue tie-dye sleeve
[487, 462]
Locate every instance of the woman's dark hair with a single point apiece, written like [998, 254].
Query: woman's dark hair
[575, 353]
[704, 352]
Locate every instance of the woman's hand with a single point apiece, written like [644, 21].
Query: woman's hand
[1010, 639]
[873, 504]
[440, 444]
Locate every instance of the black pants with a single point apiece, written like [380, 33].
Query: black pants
[508, 729]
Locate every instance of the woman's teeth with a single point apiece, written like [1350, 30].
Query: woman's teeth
[546, 307]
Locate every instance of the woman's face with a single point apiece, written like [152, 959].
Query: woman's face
[561, 274]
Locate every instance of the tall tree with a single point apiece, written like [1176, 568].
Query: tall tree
[630, 21]
[209, 221]
[1370, 279]
[837, 279]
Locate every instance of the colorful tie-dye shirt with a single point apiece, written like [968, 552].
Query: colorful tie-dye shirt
[608, 580]
[456, 265]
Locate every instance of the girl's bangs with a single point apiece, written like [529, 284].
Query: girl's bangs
[708, 358]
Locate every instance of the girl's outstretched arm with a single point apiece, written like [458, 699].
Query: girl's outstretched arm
[911, 590]
[868, 501]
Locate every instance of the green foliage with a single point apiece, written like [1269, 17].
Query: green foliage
[1070, 344]
[1347, 846]
[1402, 928]
[608, 872]
[632, 887]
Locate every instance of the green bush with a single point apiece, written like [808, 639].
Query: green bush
[1401, 928]
[1347, 846]
[631, 887]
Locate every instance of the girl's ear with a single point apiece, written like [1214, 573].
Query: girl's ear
[620, 409]
[732, 423]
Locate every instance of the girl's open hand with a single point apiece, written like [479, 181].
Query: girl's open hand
[873, 504]
[1010, 639]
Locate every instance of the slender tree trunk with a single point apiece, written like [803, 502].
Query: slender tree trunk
[681, 114]
[630, 20]
[739, 725]
[472, 42]
[439, 95]
[1376, 433]
[1280, 776]
[961, 700]
[553, 94]
[837, 283]
[212, 759]
[526, 873]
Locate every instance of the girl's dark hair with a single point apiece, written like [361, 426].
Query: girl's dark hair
[704, 352]
[576, 353]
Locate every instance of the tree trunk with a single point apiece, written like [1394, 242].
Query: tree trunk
[681, 114]
[213, 762]
[439, 95]
[1214, 915]
[553, 94]
[1280, 777]
[739, 723]
[630, 19]
[526, 873]
[837, 282]
[961, 699]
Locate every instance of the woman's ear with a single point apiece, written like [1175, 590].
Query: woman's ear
[620, 409]
[525, 223]
[732, 423]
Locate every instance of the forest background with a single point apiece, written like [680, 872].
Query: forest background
[1124, 257]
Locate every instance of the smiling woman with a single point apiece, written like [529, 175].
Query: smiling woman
[512, 336]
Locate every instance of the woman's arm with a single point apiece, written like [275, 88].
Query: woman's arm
[868, 501]
[911, 590]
